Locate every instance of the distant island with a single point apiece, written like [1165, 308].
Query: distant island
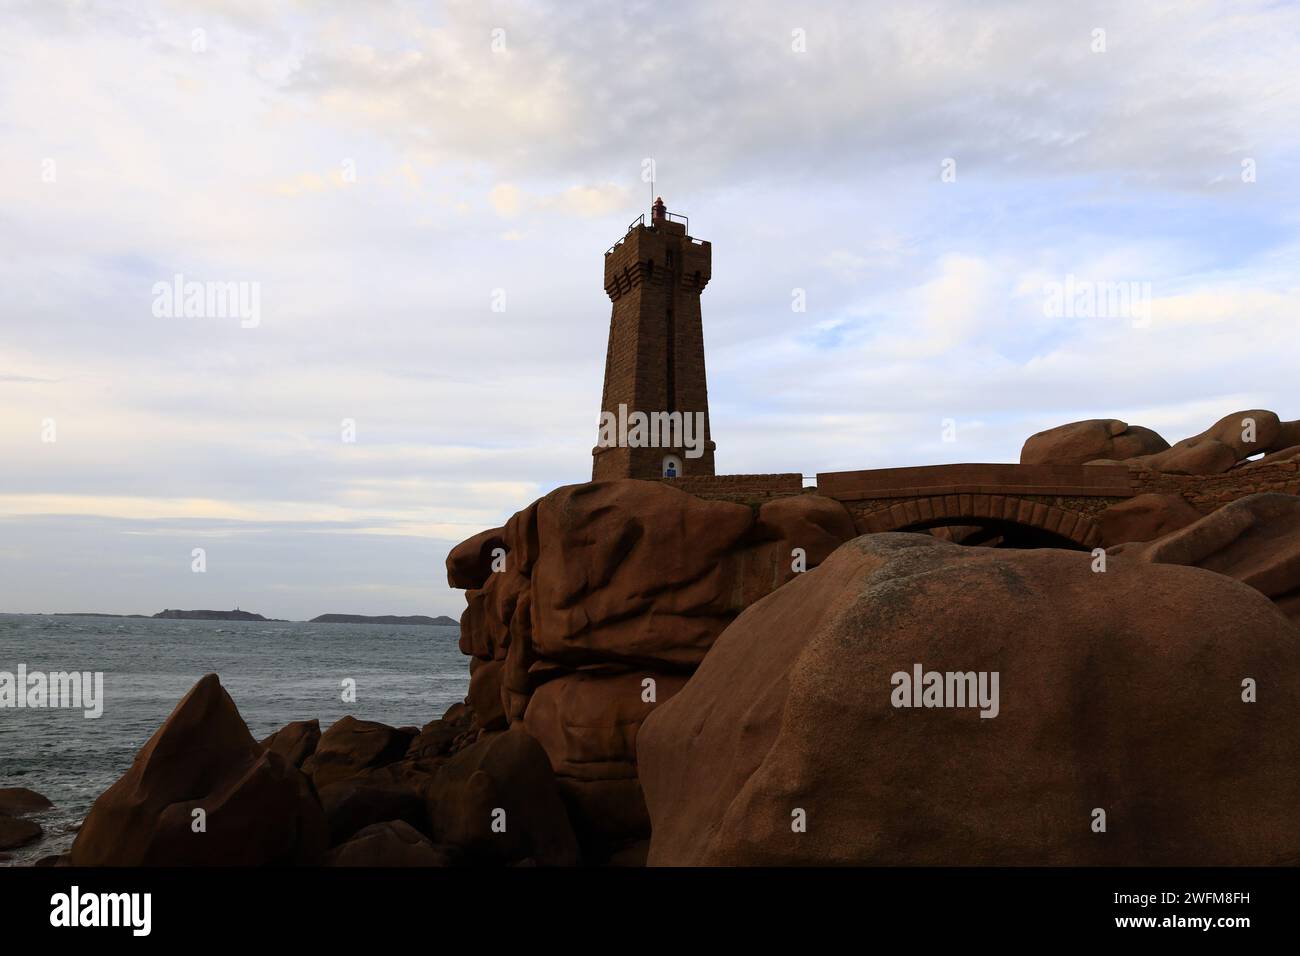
[175, 614]
[441, 620]
[92, 614]
[235, 615]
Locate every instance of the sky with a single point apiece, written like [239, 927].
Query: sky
[420, 196]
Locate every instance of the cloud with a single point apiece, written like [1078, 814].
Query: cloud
[505, 199]
[509, 201]
[382, 171]
[1004, 88]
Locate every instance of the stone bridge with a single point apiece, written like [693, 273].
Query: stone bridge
[1024, 505]
[1015, 505]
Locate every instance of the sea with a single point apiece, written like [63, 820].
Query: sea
[405, 675]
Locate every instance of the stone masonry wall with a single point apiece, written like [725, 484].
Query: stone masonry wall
[742, 488]
[1207, 493]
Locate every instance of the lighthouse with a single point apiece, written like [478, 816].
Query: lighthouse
[654, 363]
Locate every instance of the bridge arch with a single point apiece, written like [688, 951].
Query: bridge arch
[1035, 523]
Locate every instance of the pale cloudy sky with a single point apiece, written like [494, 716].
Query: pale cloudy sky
[380, 168]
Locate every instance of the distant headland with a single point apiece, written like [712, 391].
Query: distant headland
[235, 615]
[174, 614]
[441, 620]
[92, 614]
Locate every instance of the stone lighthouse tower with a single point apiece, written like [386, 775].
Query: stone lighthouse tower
[655, 361]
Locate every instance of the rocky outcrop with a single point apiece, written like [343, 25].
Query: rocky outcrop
[585, 738]
[785, 746]
[449, 733]
[497, 801]
[257, 807]
[295, 741]
[1230, 440]
[1289, 453]
[587, 723]
[448, 793]
[1225, 445]
[633, 572]
[470, 562]
[1255, 539]
[19, 801]
[16, 832]
[353, 805]
[486, 693]
[352, 745]
[1288, 437]
[1082, 442]
[451, 784]
[1192, 457]
[598, 587]
[391, 844]
[1144, 518]
[15, 804]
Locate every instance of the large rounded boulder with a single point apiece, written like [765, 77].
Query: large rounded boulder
[1097, 438]
[1141, 715]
